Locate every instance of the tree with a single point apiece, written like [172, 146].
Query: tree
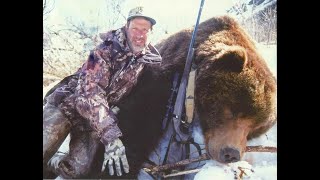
[258, 17]
[66, 44]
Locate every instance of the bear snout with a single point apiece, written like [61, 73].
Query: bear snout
[228, 155]
[223, 152]
[227, 144]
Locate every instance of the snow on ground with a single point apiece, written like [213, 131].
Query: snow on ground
[263, 164]
[269, 53]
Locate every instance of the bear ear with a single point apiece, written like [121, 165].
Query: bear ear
[233, 59]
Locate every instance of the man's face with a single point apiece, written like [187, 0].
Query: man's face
[138, 32]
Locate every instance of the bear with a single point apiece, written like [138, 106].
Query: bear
[235, 94]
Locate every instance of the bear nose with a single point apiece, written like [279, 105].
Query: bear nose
[228, 155]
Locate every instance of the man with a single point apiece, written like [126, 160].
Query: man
[88, 99]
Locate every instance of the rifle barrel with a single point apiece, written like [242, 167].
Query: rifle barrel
[178, 107]
[183, 84]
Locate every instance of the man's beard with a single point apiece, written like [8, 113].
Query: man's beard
[135, 48]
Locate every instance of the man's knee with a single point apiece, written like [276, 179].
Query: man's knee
[55, 129]
[78, 167]
[83, 158]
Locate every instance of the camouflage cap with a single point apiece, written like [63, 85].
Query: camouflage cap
[140, 12]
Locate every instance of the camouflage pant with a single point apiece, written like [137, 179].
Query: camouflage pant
[55, 129]
[85, 156]
[85, 150]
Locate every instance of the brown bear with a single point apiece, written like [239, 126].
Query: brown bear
[235, 93]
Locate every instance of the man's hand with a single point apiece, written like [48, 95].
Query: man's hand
[114, 152]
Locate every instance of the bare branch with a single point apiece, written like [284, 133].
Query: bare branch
[261, 149]
[80, 30]
[44, 5]
[157, 169]
[47, 7]
[182, 173]
[60, 49]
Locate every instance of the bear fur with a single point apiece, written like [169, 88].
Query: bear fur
[235, 92]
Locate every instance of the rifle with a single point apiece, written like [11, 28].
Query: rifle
[179, 104]
[174, 90]
[178, 147]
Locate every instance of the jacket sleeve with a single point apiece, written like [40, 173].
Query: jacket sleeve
[90, 101]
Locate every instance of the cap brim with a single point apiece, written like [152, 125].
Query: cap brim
[153, 22]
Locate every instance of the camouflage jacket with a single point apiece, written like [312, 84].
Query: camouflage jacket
[108, 75]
